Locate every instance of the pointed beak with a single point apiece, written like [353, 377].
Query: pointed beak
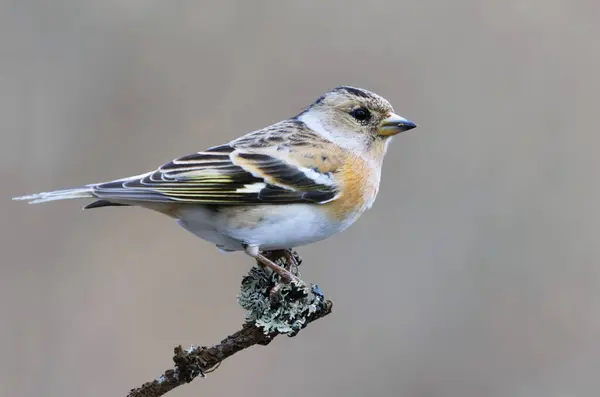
[394, 125]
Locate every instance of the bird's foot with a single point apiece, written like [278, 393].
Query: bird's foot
[277, 304]
[287, 258]
[289, 261]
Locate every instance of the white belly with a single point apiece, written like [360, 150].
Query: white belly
[267, 226]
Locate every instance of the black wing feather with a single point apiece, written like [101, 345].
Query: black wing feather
[212, 177]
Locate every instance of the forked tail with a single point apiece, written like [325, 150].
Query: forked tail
[66, 194]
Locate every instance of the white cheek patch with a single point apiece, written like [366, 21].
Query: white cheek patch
[346, 139]
[314, 123]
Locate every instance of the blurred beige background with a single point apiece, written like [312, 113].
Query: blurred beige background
[476, 273]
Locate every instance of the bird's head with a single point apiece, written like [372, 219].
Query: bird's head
[355, 119]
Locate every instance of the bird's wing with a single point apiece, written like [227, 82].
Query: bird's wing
[246, 174]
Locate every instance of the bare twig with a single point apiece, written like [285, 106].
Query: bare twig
[263, 324]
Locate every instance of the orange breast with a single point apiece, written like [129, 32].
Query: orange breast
[359, 184]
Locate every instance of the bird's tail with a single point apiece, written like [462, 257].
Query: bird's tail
[66, 194]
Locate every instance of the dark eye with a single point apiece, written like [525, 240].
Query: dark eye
[361, 114]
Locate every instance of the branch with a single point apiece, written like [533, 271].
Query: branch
[295, 307]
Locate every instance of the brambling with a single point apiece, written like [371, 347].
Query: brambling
[295, 182]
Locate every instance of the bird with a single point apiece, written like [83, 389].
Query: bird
[292, 183]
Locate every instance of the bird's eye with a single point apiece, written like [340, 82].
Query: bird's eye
[361, 114]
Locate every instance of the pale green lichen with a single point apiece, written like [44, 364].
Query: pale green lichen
[288, 313]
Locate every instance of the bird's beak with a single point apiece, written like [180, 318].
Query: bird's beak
[394, 125]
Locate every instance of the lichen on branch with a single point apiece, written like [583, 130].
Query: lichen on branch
[289, 310]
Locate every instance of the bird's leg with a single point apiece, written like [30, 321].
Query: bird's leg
[291, 263]
[285, 275]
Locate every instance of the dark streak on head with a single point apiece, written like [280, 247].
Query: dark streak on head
[354, 91]
[320, 99]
